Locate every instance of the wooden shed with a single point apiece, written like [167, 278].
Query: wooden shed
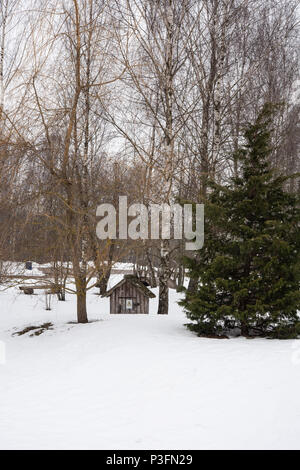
[130, 295]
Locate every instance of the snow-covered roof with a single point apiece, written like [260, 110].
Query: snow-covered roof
[135, 281]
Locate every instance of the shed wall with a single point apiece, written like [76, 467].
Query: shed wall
[128, 291]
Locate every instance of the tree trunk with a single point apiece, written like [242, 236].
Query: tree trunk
[81, 300]
[164, 276]
[193, 284]
[163, 303]
[152, 277]
[81, 308]
[244, 329]
[103, 282]
[180, 276]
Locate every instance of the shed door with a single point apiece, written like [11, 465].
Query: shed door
[127, 305]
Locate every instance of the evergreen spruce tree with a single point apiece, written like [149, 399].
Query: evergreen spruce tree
[249, 266]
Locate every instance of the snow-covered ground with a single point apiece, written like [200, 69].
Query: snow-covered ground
[140, 382]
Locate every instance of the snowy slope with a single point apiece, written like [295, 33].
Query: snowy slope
[124, 382]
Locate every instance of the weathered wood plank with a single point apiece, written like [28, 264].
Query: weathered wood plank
[129, 291]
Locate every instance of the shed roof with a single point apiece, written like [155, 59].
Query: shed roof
[135, 282]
